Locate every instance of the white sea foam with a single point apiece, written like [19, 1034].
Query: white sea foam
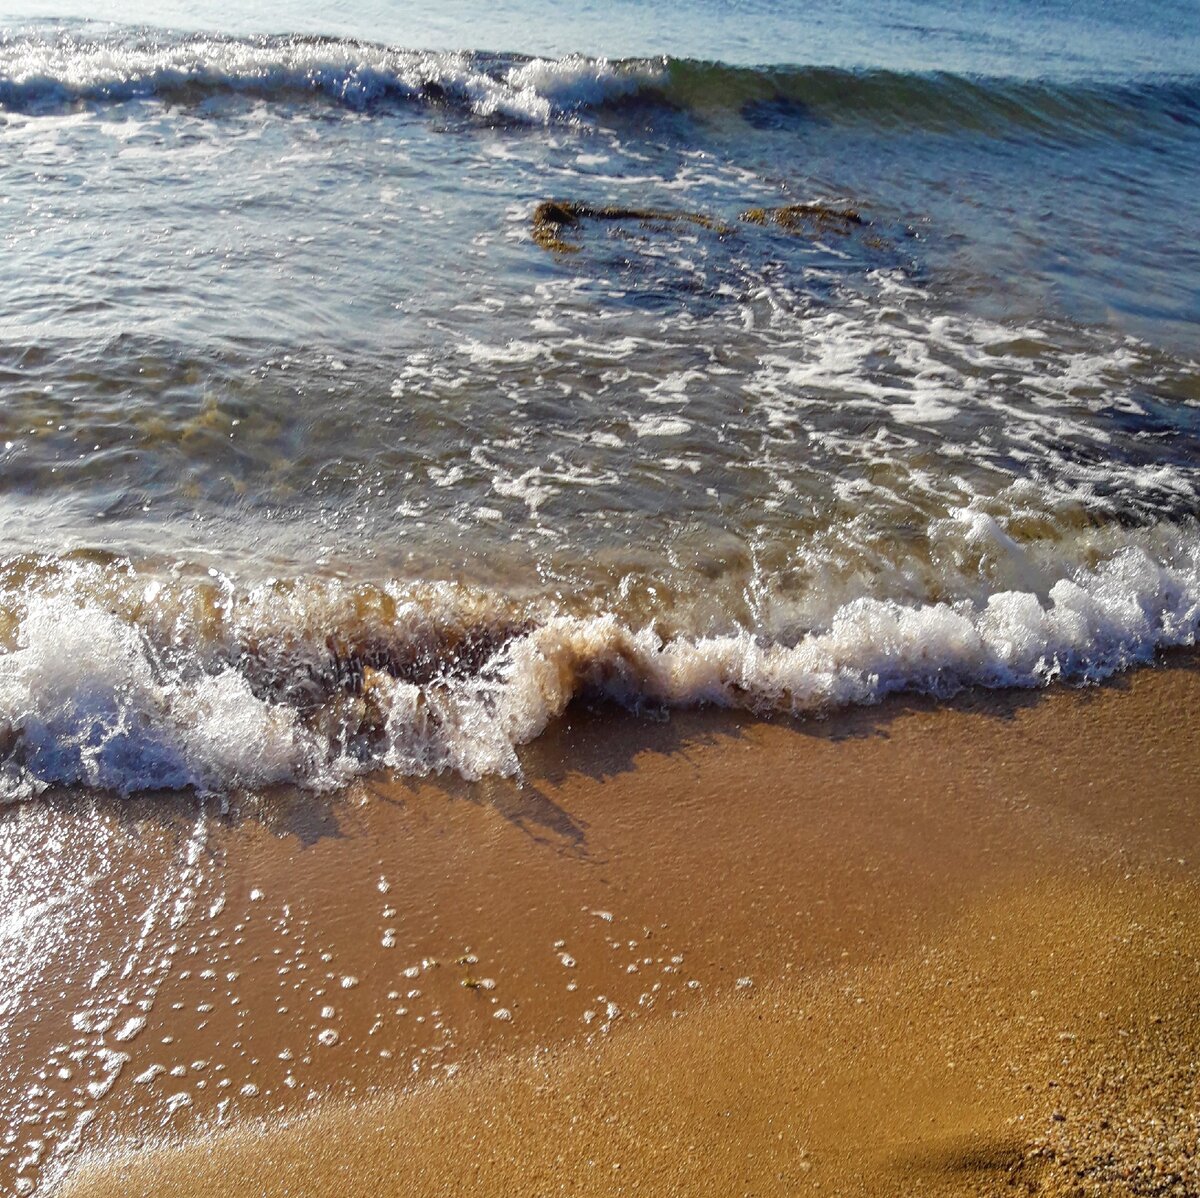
[657, 425]
[37, 73]
[1090, 626]
[92, 704]
[87, 699]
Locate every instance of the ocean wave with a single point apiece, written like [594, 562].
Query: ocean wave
[115, 680]
[40, 73]
[937, 100]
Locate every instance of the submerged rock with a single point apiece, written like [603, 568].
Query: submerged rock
[806, 218]
[552, 218]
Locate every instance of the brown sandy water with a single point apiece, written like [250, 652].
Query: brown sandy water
[917, 947]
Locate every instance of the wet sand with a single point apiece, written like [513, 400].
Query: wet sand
[908, 949]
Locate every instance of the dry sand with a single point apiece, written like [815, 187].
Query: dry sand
[916, 949]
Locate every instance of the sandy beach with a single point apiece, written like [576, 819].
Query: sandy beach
[911, 948]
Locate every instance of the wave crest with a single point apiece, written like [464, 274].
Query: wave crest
[39, 74]
[333, 684]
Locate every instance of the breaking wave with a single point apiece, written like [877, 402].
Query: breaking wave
[117, 680]
[46, 75]
[41, 73]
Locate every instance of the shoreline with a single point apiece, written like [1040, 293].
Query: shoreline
[672, 916]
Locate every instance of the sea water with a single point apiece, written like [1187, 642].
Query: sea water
[376, 379]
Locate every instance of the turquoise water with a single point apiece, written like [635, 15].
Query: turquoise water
[1085, 38]
[859, 356]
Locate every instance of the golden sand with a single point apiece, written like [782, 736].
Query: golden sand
[915, 949]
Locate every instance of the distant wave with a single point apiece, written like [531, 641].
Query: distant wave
[43, 74]
[118, 680]
[935, 100]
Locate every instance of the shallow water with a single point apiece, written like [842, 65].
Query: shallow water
[321, 456]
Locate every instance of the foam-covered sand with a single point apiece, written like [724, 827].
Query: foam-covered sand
[917, 947]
